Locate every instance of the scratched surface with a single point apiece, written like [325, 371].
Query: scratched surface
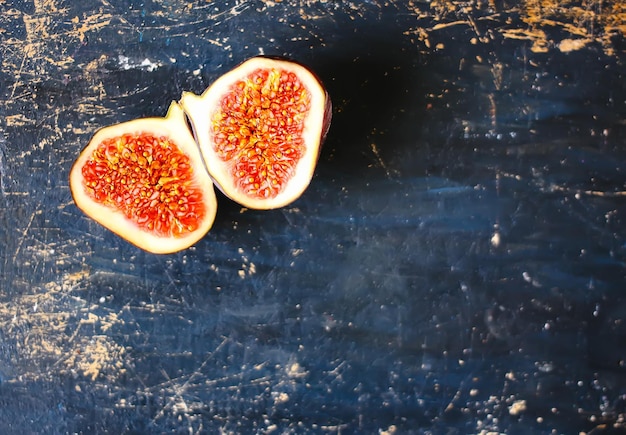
[456, 266]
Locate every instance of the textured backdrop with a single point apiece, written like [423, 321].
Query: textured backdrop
[457, 264]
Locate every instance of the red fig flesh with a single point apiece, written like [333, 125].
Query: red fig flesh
[145, 181]
[260, 128]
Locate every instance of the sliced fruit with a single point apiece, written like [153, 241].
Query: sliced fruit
[260, 128]
[145, 181]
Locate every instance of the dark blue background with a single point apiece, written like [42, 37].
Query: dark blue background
[459, 256]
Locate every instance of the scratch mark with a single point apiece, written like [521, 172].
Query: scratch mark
[179, 391]
[119, 17]
[24, 233]
[450, 24]
[579, 192]
[380, 160]
[27, 54]
[91, 23]
[493, 112]
[2, 168]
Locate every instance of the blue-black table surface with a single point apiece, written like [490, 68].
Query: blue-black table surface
[457, 264]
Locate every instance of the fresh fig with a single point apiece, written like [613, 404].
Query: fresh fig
[145, 180]
[260, 127]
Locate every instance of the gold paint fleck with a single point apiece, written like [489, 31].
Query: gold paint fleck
[568, 45]
[596, 20]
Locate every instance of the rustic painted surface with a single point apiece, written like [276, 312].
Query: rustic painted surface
[458, 262]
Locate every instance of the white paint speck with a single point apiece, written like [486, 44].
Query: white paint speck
[127, 63]
[495, 239]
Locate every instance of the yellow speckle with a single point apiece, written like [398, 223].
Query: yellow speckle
[517, 407]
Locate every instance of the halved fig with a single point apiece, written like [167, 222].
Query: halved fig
[145, 181]
[260, 128]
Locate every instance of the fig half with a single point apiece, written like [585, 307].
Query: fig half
[145, 181]
[260, 127]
